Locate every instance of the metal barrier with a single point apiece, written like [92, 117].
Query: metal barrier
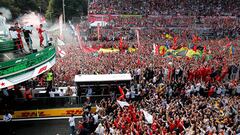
[51, 102]
[47, 103]
[93, 98]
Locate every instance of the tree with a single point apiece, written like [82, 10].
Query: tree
[26, 5]
[42, 4]
[9, 4]
[54, 9]
[18, 7]
[73, 8]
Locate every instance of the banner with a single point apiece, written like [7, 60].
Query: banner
[24, 76]
[122, 103]
[5, 83]
[61, 52]
[131, 50]
[61, 112]
[90, 49]
[43, 68]
[126, 16]
[105, 18]
[98, 30]
[148, 117]
[138, 38]
[108, 50]
[155, 49]
[60, 42]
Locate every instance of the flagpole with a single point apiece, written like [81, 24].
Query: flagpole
[139, 46]
[153, 56]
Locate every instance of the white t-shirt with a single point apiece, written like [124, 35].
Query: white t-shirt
[14, 34]
[139, 71]
[154, 79]
[112, 131]
[192, 88]
[128, 94]
[133, 94]
[219, 90]
[100, 129]
[71, 121]
[165, 71]
[61, 93]
[95, 117]
[52, 94]
[198, 87]
[177, 71]
[238, 89]
[7, 117]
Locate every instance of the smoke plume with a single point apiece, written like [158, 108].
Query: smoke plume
[6, 13]
[31, 18]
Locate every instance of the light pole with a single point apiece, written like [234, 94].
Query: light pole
[63, 11]
[40, 10]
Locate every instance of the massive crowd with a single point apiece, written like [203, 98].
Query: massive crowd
[199, 96]
[183, 95]
[86, 63]
[172, 114]
[165, 7]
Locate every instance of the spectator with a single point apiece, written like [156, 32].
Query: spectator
[27, 37]
[89, 92]
[69, 91]
[61, 93]
[7, 117]
[28, 94]
[71, 121]
[40, 33]
[14, 36]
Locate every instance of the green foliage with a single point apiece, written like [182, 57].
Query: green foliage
[10, 4]
[73, 8]
[54, 9]
[51, 8]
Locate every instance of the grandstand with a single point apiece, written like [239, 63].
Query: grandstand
[165, 7]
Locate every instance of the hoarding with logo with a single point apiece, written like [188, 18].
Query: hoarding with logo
[61, 112]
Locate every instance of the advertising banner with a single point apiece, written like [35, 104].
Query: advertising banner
[61, 112]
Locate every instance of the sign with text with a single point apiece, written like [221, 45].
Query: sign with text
[43, 68]
[61, 112]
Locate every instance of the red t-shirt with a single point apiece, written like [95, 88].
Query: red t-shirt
[154, 126]
[171, 126]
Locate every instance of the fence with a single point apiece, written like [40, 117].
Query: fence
[49, 102]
